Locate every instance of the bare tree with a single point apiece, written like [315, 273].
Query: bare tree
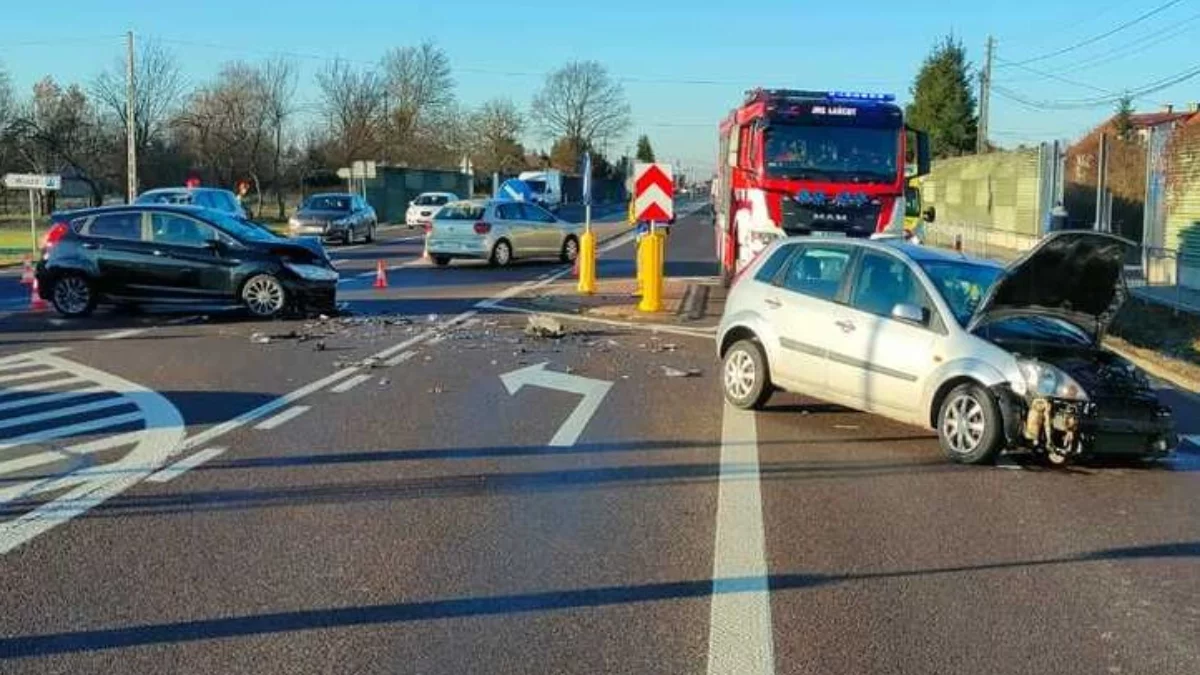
[278, 82]
[159, 86]
[229, 126]
[60, 128]
[353, 106]
[420, 92]
[581, 101]
[8, 111]
[495, 128]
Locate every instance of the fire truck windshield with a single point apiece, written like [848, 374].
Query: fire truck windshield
[834, 153]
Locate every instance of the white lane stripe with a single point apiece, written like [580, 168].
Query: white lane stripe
[117, 335]
[71, 430]
[184, 465]
[92, 406]
[49, 398]
[740, 639]
[42, 386]
[349, 384]
[42, 371]
[263, 410]
[400, 358]
[16, 365]
[282, 418]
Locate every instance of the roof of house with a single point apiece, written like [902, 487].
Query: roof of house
[1147, 120]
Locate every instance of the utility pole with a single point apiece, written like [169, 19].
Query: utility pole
[130, 113]
[985, 94]
[1102, 223]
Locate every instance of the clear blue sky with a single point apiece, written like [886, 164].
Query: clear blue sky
[683, 64]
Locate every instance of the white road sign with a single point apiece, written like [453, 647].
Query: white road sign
[32, 181]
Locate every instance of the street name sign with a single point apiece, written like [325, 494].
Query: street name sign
[32, 181]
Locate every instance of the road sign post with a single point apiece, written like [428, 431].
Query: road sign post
[32, 182]
[587, 245]
[654, 202]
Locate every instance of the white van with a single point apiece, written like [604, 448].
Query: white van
[547, 187]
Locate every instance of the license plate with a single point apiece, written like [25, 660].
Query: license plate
[830, 234]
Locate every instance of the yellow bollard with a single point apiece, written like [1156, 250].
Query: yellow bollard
[652, 284]
[587, 263]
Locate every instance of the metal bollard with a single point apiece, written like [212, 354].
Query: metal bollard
[652, 285]
[587, 263]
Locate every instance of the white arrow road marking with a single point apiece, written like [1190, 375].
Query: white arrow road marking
[740, 640]
[79, 484]
[593, 392]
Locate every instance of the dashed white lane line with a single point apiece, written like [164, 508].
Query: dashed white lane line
[282, 418]
[740, 639]
[349, 384]
[184, 465]
[120, 334]
[401, 357]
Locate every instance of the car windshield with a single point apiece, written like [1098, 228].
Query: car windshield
[832, 153]
[461, 211]
[427, 200]
[241, 228]
[327, 203]
[538, 186]
[963, 284]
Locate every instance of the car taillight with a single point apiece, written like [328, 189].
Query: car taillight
[57, 232]
[483, 227]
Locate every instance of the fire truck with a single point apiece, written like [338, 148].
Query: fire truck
[828, 164]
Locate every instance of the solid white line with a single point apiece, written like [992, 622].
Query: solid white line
[49, 398]
[70, 430]
[42, 371]
[117, 335]
[111, 402]
[184, 465]
[349, 384]
[740, 639]
[282, 418]
[399, 358]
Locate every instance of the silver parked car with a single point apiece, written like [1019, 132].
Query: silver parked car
[500, 231]
[991, 357]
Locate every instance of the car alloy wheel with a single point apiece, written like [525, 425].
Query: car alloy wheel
[501, 254]
[73, 295]
[739, 374]
[963, 424]
[745, 379]
[264, 296]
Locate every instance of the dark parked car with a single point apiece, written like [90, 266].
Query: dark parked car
[341, 217]
[181, 256]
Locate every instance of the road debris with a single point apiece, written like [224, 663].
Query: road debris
[543, 326]
[260, 338]
[383, 381]
[368, 363]
[675, 372]
[319, 346]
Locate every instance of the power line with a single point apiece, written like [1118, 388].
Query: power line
[1096, 38]
[1079, 104]
[1138, 46]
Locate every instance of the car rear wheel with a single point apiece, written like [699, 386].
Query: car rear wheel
[969, 426]
[264, 296]
[570, 250]
[501, 254]
[74, 295]
[441, 260]
[371, 233]
[745, 378]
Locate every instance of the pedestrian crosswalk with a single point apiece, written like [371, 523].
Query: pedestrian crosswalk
[72, 436]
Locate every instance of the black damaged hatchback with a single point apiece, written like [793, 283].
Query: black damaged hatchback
[179, 256]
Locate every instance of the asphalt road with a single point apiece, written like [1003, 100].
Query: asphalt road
[433, 491]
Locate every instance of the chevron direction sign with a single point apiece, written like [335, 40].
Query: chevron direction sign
[654, 192]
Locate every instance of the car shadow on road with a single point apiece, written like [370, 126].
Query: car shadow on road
[269, 623]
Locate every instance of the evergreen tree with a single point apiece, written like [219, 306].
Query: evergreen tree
[1123, 122]
[943, 103]
[645, 153]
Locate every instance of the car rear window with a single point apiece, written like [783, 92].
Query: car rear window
[116, 226]
[461, 211]
[170, 197]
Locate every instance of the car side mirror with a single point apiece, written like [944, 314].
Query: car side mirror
[929, 214]
[909, 313]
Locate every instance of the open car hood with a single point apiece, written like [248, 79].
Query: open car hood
[1075, 276]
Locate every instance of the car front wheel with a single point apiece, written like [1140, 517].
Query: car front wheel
[745, 379]
[264, 296]
[441, 260]
[74, 295]
[969, 425]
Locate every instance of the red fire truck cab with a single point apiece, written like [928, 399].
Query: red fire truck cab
[816, 163]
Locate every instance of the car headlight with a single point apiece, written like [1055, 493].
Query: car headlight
[312, 272]
[293, 222]
[1045, 380]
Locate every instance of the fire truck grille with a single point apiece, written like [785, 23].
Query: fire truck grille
[854, 221]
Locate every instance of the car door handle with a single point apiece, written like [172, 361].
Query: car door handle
[846, 326]
[773, 303]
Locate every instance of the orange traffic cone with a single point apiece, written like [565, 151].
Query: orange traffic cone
[36, 303]
[380, 275]
[27, 272]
